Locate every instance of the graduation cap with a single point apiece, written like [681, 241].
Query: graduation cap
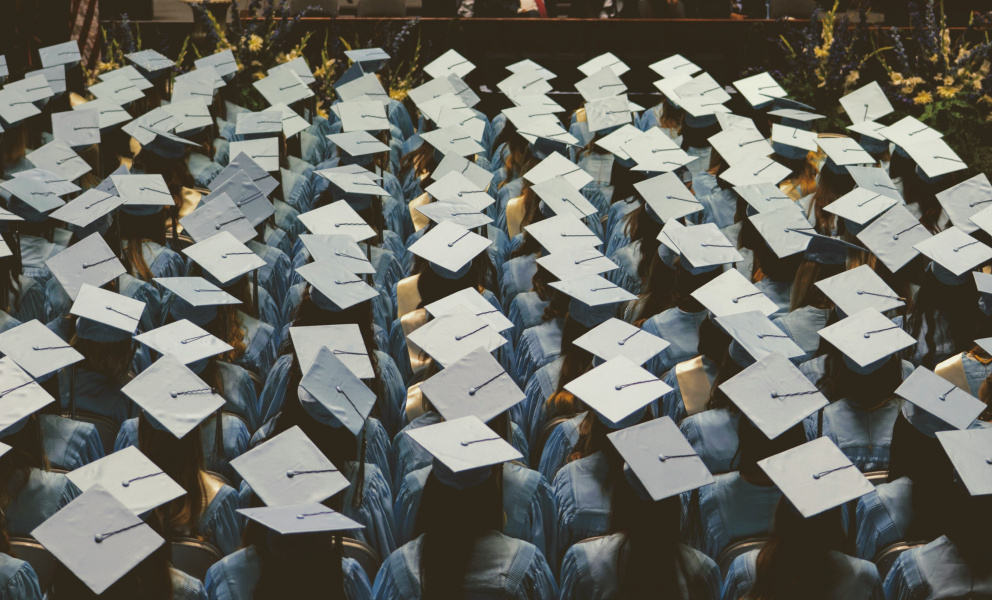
[157, 141]
[867, 339]
[870, 136]
[333, 395]
[242, 162]
[54, 76]
[856, 289]
[530, 66]
[118, 90]
[335, 288]
[129, 73]
[940, 399]
[614, 142]
[759, 169]
[105, 316]
[955, 251]
[453, 139]
[704, 247]
[970, 452]
[337, 218]
[893, 237]
[594, 299]
[754, 337]
[57, 157]
[196, 299]
[246, 195]
[655, 152]
[909, 131]
[461, 214]
[370, 59]
[77, 128]
[14, 108]
[87, 208]
[963, 201]
[618, 390]
[606, 60]
[450, 246]
[860, 206]
[556, 165]
[576, 262]
[131, 478]
[731, 293]
[220, 214]
[264, 152]
[794, 118]
[88, 261]
[264, 123]
[598, 85]
[663, 461]
[38, 197]
[35, 89]
[283, 86]
[475, 385]
[364, 115]
[675, 64]
[773, 394]
[341, 248]
[867, 103]
[298, 66]
[143, 194]
[289, 469]
[479, 177]
[563, 233]
[358, 143]
[97, 538]
[344, 341]
[471, 299]
[667, 197]
[935, 158]
[614, 338]
[760, 89]
[874, 179]
[463, 450]
[37, 350]
[844, 151]
[301, 518]
[224, 257]
[454, 334]
[20, 397]
[223, 62]
[562, 198]
[66, 53]
[151, 62]
[185, 341]
[785, 230]
[449, 63]
[363, 87]
[292, 122]
[110, 113]
[740, 144]
[792, 143]
[354, 184]
[816, 476]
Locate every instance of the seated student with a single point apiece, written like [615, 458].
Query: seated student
[945, 310]
[643, 556]
[459, 550]
[694, 381]
[21, 297]
[956, 564]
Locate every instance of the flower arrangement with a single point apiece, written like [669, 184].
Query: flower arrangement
[398, 76]
[123, 38]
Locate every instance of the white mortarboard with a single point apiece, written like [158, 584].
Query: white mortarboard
[759, 169]
[130, 477]
[56, 183]
[731, 293]
[530, 66]
[860, 205]
[196, 291]
[298, 66]
[557, 165]
[874, 179]
[740, 144]
[289, 469]
[35, 89]
[77, 128]
[66, 53]
[935, 157]
[340, 248]
[455, 187]
[941, 398]
[157, 119]
[354, 184]
[450, 246]
[661, 458]
[59, 158]
[797, 138]
[479, 177]
[456, 212]
[893, 237]
[704, 246]
[668, 197]
[197, 89]
[563, 198]
[867, 337]
[464, 444]
[292, 122]
[4, 71]
[617, 389]
[471, 299]
[760, 89]
[606, 113]
[338, 284]
[88, 261]
[120, 90]
[576, 262]
[357, 143]
[970, 452]
[110, 112]
[441, 86]
[603, 61]
[246, 195]
[453, 140]
[859, 288]
[333, 395]
[614, 142]
[266, 122]
[37, 349]
[909, 131]
[955, 250]
[702, 88]
[370, 59]
[598, 85]
[455, 333]
[593, 290]
[845, 151]
[20, 397]
[366, 87]
[965, 200]
[655, 152]
[143, 190]
[55, 76]
[151, 61]
[618, 338]
[795, 116]
[362, 115]
[755, 337]
[223, 62]
[33, 192]
[301, 518]
[5, 250]
[872, 137]
[337, 218]
[344, 341]
[172, 396]
[539, 102]
[729, 121]
[563, 233]
[264, 152]
[449, 63]
[867, 103]
[546, 135]
[224, 257]
[773, 394]
[158, 141]
[786, 230]
[675, 64]
[187, 342]
[220, 214]
[283, 86]
[108, 308]
[14, 107]
[476, 385]
[242, 162]
[97, 538]
[816, 476]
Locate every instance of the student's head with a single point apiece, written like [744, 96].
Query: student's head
[182, 460]
[755, 446]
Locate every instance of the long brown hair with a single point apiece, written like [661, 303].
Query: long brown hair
[418, 161]
[804, 292]
[575, 362]
[110, 359]
[173, 170]
[135, 231]
[830, 187]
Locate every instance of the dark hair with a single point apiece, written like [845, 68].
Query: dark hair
[481, 276]
[173, 170]
[10, 283]
[919, 457]
[110, 359]
[655, 565]
[830, 187]
[804, 292]
[420, 160]
[575, 362]
[755, 446]
[135, 230]
[946, 311]
[838, 382]
[794, 562]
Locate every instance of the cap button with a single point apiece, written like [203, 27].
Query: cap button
[126, 483]
[471, 391]
[290, 474]
[338, 388]
[173, 394]
[98, 538]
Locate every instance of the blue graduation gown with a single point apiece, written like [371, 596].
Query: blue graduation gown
[672, 404]
[802, 326]
[69, 444]
[583, 503]
[96, 393]
[937, 567]
[162, 261]
[538, 346]
[18, 581]
[713, 435]
[235, 577]
[883, 516]
[853, 578]
[31, 303]
[681, 330]
[526, 310]
[627, 259]
[864, 436]
[559, 446]
[40, 497]
[729, 509]
[262, 341]
[516, 276]
[778, 292]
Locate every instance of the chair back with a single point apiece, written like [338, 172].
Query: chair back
[737, 548]
[194, 557]
[41, 560]
[887, 556]
[105, 426]
[366, 557]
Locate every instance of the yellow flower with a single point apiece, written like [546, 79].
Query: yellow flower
[259, 75]
[820, 52]
[948, 80]
[896, 78]
[946, 91]
[254, 43]
[933, 58]
[986, 99]
[852, 78]
[923, 97]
